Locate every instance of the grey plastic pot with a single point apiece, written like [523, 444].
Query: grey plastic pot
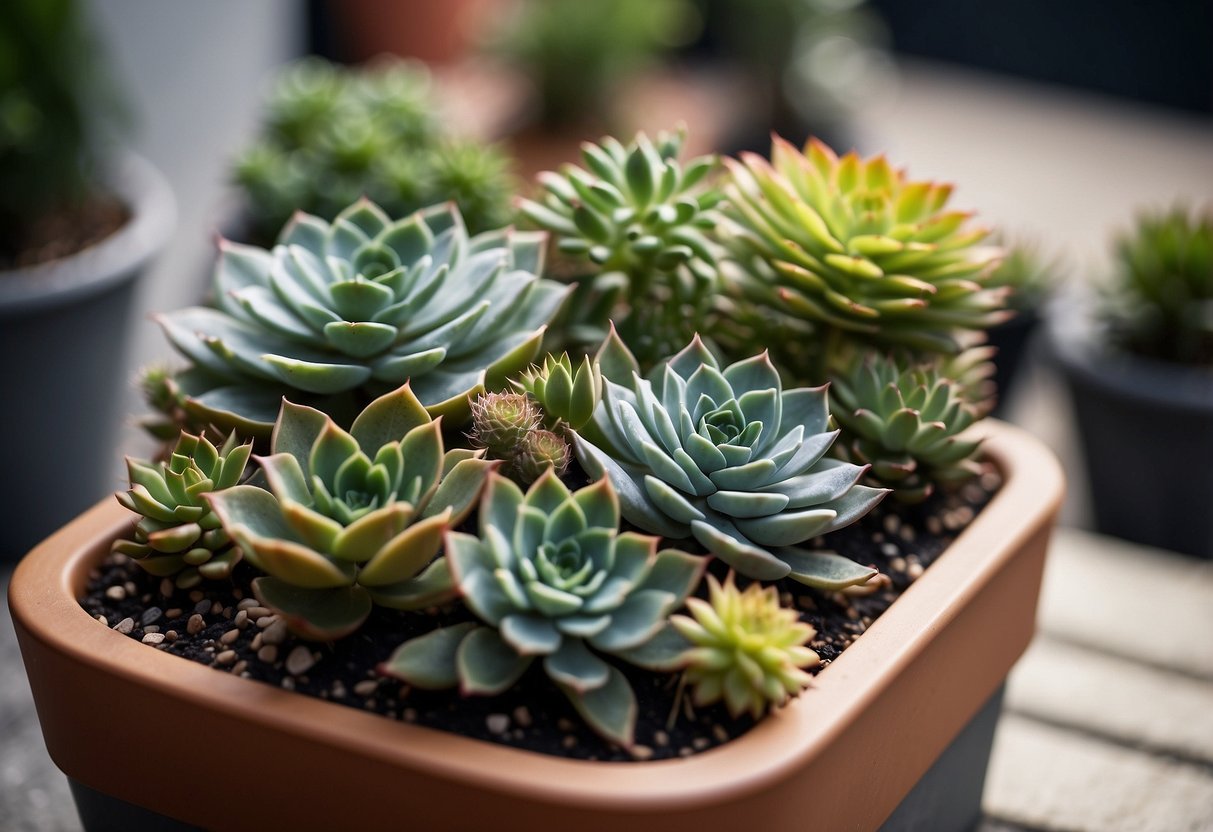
[1146, 429]
[63, 338]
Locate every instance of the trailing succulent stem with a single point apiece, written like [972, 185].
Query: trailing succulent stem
[641, 223]
[352, 518]
[177, 534]
[728, 457]
[550, 577]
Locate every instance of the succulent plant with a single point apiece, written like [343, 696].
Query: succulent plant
[540, 451]
[550, 576]
[177, 534]
[1027, 273]
[332, 135]
[358, 306]
[567, 395]
[855, 248]
[502, 421]
[1161, 305]
[642, 221]
[352, 518]
[744, 648]
[904, 419]
[726, 456]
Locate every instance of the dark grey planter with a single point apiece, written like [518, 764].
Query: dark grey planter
[1146, 429]
[63, 344]
[1012, 339]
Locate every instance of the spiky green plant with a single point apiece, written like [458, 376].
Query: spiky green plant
[744, 648]
[568, 396]
[728, 457]
[540, 451]
[347, 310]
[333, 134]
[501, 422]
[177, 534]
[1029, 275]
[643, 222]
[904, 419]
[845, 248]
[1161, 303]
[352, 518]
[550, 576]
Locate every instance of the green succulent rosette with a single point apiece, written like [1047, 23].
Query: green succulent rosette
[728, 457]
[352, 518]
[177, 534]
[550, 577]
[855, 247]
[345, 311]
[904, 419]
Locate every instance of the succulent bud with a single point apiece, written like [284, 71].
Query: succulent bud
[540, 450]
[566, 395]
[501, 423]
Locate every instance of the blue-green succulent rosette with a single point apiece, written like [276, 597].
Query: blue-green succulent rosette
[352, 309]
[726, 456]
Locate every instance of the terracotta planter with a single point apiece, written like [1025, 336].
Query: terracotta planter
[841, 757]
[64, 327]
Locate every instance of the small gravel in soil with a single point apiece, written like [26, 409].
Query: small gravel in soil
[221, 624]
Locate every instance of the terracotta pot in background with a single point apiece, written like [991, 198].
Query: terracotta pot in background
[435, 31]
[63, 337]
[844, 755]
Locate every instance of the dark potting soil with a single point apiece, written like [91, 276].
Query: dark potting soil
[62, 232]
[221, 624]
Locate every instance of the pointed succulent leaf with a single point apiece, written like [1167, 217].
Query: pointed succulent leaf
[315, 614]
[429, 661]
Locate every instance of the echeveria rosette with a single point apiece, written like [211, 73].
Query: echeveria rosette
[177, 534]
[550, 577]
[905, 420]
[354, 308]
[352, 518]
[856, 247]
[728, 457]
[644, 223]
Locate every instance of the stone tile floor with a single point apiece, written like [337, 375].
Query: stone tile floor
[1108, 725]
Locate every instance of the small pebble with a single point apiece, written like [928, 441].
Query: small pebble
[300, 661]
[497, 723]
[685, 751]
[255, 613]
[275, 633]
[338, 689]
[226, 657]
[152, 628]
[268, 653]
[568, 742]
[661, 738]
[174, 613]
[130, 588]
[288, 683]
[195, 625]
[914, 570]
[720, 733]
[116, 593]
[641, 752]
[102, 619]
[166, 588]
[907, 533]
[889, 550]
[255, 645]
[153, 638]
[125, 626]
[246, 603]
[409, 714]
[267, 621]
[229, 638]
[934, 525]
[522, 715]
[202, 607]
[366, 687]
[241, 619]
[891, 523]
[700, 743]
[564, 725]
[216, 608]
[240, 667]
[196, 596]
[171, 636]
[150, 616]
[898, 564]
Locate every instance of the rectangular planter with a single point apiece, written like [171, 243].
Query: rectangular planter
[240, 754]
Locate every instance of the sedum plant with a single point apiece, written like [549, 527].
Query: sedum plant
[905, 422]
[333, 134]
[551, 577]
[177, 534]
[852, 249]
[744, 648]
[507, 427]
[643, 223]
[566, 395]
[1161, 305]
[352, 518]
[727, 456]
[346, 310]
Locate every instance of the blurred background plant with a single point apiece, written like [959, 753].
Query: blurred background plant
[1160, 304]
[332, 134]
[56, 111]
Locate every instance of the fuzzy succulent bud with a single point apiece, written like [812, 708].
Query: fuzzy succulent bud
[566, 395]
[501, 422]
[540, 450]
[745, 648]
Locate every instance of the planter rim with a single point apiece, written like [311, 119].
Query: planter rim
[107, 262]
[1074, 339]
[44, 588]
